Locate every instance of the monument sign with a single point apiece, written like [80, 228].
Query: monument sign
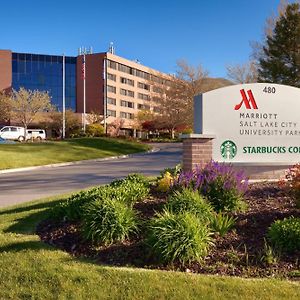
[257, 123]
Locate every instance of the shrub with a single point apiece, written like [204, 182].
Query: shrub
[190, 201]
[165, 182]
[285, 234]
[268, 255]
[133, 188]
[293, 182]
[178, 237]
[223, 187]
[167, 178]
[94, 130]
[129, 190]
[221, 223]
[108, 221]
[173, 171]
[132, 178]
[71, 208]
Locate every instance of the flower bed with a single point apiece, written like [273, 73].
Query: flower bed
[243, 251]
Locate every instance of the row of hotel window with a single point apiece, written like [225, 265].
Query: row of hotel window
[112, 89]
[123, 115]
[135, 72]
[128, 104]
[130, 82]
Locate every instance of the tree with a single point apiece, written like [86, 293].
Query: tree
[174, 96]
[280, 61]
[55, 123]
[115, 127]
[26, 104]
[94, 118]
[242, 73]
[5, 107]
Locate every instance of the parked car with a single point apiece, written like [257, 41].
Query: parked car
[4, 141]
[13, 133]
[35, 134]
[18, 133]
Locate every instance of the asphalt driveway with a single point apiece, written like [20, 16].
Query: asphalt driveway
[34, 184]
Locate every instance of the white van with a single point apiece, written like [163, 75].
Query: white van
[17, 133]
[13, 133]
[35, 134]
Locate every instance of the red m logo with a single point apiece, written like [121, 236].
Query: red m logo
[247, 101]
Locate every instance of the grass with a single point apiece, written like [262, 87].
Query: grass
[30, 269]
[36, 154]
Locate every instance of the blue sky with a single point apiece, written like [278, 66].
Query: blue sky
[158, 33]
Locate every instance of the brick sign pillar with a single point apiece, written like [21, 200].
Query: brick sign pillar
[197, 150]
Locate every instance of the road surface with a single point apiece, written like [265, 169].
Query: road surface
[49, 181]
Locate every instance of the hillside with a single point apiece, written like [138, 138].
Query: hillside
[215, 83]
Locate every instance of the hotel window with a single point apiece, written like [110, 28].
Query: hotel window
[127, 104]
[111, 77]
[112, 64]
[126, 69]
[157, 79]
[111, 89]
[143, 96]
[126, 81]
[126, 93]
[111, 113]
[126, 115]
[144, 86]
[111, 101]
[142, 74]
[156, 109]
[143, 106]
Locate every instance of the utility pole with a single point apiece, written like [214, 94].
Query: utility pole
[64, 97]
[84, 94]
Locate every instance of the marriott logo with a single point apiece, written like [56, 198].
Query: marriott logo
[249, 101]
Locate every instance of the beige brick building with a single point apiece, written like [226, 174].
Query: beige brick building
[119, 88]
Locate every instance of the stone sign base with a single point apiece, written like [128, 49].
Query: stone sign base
[197, 150]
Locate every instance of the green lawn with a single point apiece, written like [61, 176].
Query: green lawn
[35, 154]
[30, 269]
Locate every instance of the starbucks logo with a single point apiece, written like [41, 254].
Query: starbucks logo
[228, 149]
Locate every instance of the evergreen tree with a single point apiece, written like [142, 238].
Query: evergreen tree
[281, 58]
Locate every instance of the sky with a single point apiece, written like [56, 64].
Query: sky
[157, 33]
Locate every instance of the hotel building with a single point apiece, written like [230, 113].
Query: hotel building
[115, 87]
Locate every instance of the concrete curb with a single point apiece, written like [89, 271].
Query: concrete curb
[77, 162]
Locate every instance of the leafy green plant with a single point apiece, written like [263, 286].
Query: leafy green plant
[167, 178]
[178, 237]
[221, 223]
[190, 201]
[268, 255]
[173, 171]
[71, 208]
[106, 221]
[133, 188]
[132, 178]
[285, 234]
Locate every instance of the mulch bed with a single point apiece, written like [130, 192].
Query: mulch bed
[239, 253]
